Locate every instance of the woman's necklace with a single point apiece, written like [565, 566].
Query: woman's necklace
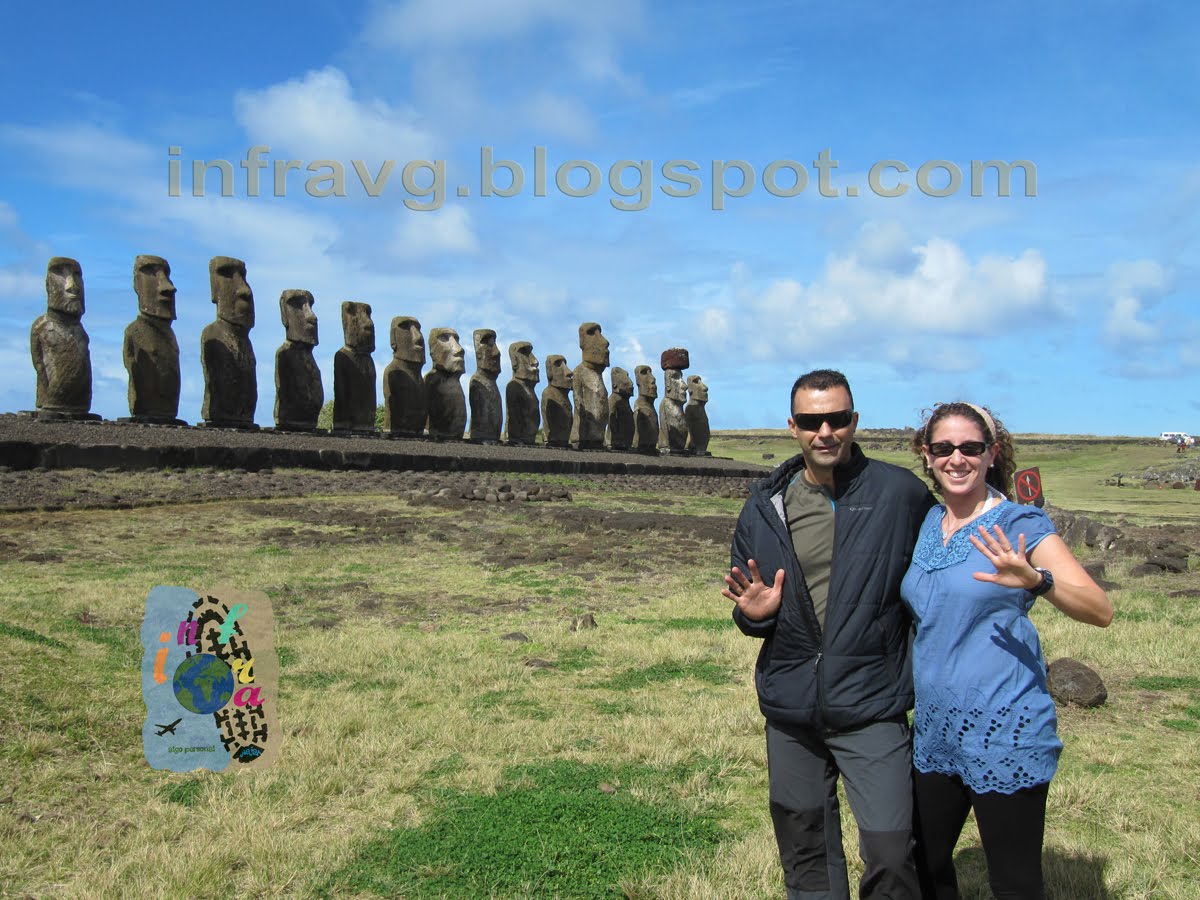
[990, 499]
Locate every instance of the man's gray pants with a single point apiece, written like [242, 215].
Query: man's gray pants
[875, 764]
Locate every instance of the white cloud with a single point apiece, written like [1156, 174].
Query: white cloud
[476, 64]
[424, 235]
[317, 115]
[713, 92]
[87, 156]
[537, 299]
[1134, 287]
[715, 325]
[22, 285]
[420, 23]
[885, 291]
[555, 115]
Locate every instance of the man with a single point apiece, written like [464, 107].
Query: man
[817, 558]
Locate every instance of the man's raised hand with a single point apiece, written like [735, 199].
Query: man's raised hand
[756, 598]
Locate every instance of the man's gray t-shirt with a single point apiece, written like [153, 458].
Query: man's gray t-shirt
[809, 510]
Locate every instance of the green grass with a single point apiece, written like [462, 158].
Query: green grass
[1166, 682]
[26, 634]
[415, 738]
[561, 829]
[661, 672]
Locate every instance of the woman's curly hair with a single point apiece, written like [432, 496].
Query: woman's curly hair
[1000, 475]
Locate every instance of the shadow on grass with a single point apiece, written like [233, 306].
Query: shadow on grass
[1067, 876]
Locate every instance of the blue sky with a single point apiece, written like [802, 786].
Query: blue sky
[1073, 310]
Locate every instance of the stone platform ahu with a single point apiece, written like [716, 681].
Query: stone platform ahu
[577, 410]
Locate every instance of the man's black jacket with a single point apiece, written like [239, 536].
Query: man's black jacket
[858, 669]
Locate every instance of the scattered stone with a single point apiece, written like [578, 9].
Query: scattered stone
[583, 623]
[1070, 681]
[518, 636]
[534, 663]
[1159, 565]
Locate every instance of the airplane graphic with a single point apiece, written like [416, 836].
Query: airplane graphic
[167, 729]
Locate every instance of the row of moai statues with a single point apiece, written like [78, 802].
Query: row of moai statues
[414, 404]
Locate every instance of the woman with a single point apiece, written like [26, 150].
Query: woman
[984, 723]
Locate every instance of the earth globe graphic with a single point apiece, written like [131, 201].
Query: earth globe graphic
[203, 683]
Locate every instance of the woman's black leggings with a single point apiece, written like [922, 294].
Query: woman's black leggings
[1010, 825]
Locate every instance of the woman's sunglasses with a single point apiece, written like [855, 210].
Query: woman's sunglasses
[966, 448]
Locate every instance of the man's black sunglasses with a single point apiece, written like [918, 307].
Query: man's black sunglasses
[812, 421]
[966, 448]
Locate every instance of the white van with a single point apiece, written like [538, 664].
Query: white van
[1177, 437]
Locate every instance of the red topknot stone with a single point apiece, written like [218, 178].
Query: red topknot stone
[675, 358]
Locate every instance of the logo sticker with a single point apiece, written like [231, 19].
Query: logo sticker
[210, 680]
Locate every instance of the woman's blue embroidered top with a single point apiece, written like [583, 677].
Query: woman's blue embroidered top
[983, 710]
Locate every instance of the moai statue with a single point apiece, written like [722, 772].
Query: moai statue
[59, 346]
[226, 355]
[696, 416]
[556, 404]
[645, 417]
[620, 415]
[487, 411]
[447, 405]
[150, 350]
[672, 423]
[298, 391]
[354, 372]
[591, 396]
[520, 401]
[405, 407]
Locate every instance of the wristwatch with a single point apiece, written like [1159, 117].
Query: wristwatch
[1043, 586]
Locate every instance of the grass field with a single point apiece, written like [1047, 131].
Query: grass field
[430, 752]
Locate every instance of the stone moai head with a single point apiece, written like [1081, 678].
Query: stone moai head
[299, 320]
[487, 354]
[676, 389]
[358, 327]
[230, 291]
[697, 389]
[621, 382]
[646, 385]
[153, 286]
[408, 344]
[524, 363]
[447, 352]
[594, 346]
[558, 373]
[64, 286]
